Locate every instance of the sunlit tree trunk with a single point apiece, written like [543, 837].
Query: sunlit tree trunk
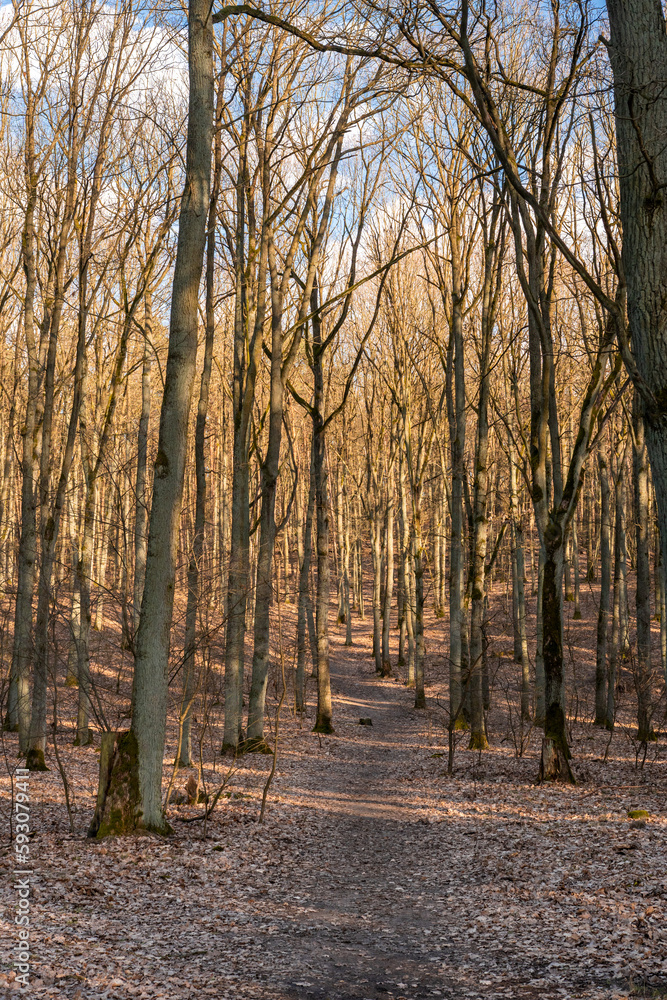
[305, 557]
[389, 589]
[133, 798]
[616, 628]
[324, 720]
[376, 550]
[141, 508]
[195, 562]
[455, 386]
[519, 595]
[605, 591]
[643, 591]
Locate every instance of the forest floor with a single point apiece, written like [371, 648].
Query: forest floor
[375, 876]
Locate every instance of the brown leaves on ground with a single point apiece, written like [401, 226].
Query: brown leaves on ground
[375, 876]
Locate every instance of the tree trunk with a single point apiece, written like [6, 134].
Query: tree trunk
[84, 574]
[195, 563]
[304, 589]
[605, 589]
[576, 614]
[418, 559]
[389, 589]
[238, 577]
[643, 592]
[404, 608]
[456, 414]
[323, 722]
[18, 711]
[346, 569]
[540, 707]
[267, 538]
[638, 54]
[554, 764]
[614, 652]
[141, 511]
[519, 596]
[376, 550]
[136, 777]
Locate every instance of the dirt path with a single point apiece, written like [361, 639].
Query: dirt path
[374, 903]
[399, 894]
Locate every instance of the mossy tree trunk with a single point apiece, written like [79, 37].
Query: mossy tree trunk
[554, 764]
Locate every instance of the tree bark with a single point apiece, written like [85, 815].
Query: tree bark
[456, 413]
[136, 776]
[305, 557]
[619, 560]
[519, 595]
[195, 563]
[605, 591]
[643, 592]
[141, 482]
[324, 720]
[389, 589]
[638, 54]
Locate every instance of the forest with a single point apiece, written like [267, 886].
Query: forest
[333, 499]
